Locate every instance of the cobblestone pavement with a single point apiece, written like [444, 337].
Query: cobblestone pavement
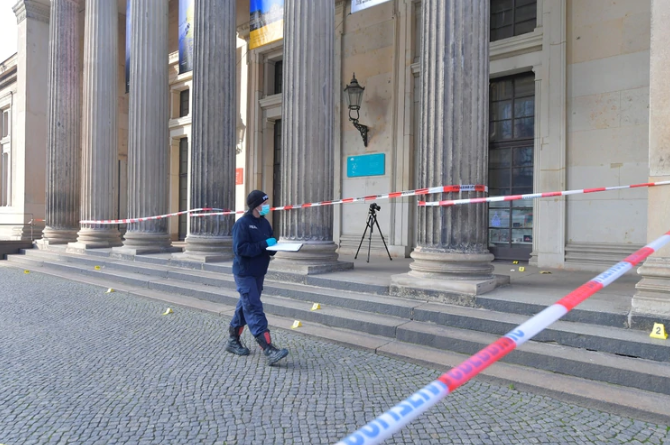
[78, 366]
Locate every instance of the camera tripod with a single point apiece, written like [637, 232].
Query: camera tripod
[372, 221]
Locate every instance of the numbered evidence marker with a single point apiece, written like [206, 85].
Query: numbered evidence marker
[658, 332]
[296, 324]
[522, 269]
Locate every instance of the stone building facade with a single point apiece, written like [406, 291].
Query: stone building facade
[570, 94]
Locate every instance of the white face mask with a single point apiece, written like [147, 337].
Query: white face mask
[265, 209]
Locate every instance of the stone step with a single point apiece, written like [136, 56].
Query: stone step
[643, 374]
[597, 338]
[643, 405]
[598, 366]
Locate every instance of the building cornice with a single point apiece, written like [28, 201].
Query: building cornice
[32, 9]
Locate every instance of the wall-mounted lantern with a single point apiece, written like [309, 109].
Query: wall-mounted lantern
[354, 98]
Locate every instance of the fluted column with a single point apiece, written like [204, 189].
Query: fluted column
[99, 191]
[307, 133]
[148, 145]
[651, 302]
[63, 131]
[451, 252]
[213, 128]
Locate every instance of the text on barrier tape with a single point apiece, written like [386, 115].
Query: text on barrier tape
[536, 195]
[400, 415]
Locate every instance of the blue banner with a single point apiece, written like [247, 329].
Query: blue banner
[267, 22]
[185, 36]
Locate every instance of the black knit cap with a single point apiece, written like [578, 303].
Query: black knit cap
[256, 198]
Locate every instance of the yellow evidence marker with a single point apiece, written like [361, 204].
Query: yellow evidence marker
[522, 269]
[658, 331]
[97, 267]
[168, 311]
[315, 307]
[110, 290]
[296, 324]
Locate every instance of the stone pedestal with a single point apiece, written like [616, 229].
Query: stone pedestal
[307, 136]
[213, 130]
[452, 253]
[653, 291]
[148, 137]
[99, 189]
[63, 127]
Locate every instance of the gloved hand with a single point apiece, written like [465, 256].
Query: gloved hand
[271, 242]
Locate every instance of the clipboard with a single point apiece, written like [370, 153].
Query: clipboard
[285, 247]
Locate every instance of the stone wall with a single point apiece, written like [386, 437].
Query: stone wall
[608, 114]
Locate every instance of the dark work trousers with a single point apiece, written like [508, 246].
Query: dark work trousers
[249, 310]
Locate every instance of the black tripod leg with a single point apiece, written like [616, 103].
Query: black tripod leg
[383, 240]
[372, 228]
[362, 238]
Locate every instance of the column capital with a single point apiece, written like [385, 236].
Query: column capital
[34, 9]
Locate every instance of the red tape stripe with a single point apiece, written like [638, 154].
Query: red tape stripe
[477, 363]
[580, 294]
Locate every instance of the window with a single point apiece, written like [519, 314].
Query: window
[511, 155]
[183, 103]
[183, 187]
[4, 124]
[512, 18]
[276, 180]
[279, 76]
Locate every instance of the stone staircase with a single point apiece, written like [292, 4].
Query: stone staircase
[588, 356]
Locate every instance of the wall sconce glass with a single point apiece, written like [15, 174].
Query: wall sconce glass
[354, 98]
[241, 130]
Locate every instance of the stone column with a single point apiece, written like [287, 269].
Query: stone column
[307, 135]
[213, 138]
[63, 128]
[653, 291]
[99, 189]
[452, 254]
[148, 144]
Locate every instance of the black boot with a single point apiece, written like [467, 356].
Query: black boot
[272, 354]
[234, 344]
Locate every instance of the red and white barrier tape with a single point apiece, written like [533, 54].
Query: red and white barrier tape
[148, 218]
[417, 192]
[536, 195]
[400, 415]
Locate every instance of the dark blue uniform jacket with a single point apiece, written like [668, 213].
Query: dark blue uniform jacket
[249, 235]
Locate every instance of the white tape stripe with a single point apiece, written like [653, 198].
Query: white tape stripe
[657, 244]
[614, 272]
[535, 195]
[395, 418]
[524, 332]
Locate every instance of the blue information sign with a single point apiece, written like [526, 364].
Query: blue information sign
[366, 165]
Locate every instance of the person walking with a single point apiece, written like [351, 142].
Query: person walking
[252, 235]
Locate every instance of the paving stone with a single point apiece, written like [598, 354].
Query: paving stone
[83, 367]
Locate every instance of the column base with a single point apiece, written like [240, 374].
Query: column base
[652, 298]
[59, 236]
[313, 258]
[447, 276]
[142, 243]
[95, 239]
[207, 249]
